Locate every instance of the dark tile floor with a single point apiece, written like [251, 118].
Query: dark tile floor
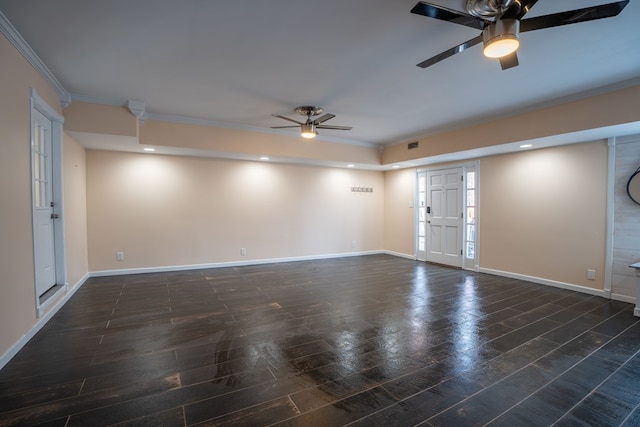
[367, 341]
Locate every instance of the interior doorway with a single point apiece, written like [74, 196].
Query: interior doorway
[47, 202]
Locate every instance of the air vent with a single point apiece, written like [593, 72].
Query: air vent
[412, 145]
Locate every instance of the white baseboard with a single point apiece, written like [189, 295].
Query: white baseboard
[400, 255]
[17, 346]
[163, 269]
[623, 298]
[542, 281]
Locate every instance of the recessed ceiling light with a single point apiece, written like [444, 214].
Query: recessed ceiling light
[151, 150]
[351, 165]
[395, 166]
[264, 158]
[526, 146]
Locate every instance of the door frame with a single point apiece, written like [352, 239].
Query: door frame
[36, 103]
[467, 263]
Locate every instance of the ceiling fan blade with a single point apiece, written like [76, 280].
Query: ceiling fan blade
[444, 14]
[283, 127]
[286, 118]
[450, 52]
[573, 16]
[334, 127]
[324, 118]
[509, 61]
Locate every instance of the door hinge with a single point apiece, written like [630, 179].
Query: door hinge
[462, 178]
[460, 251]
[55, 216]
[461, 215]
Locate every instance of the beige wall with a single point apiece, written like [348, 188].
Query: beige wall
[75, 210]
[17, 305]
[224, 140]
[543, 213]
[172, 211]
[399, 217]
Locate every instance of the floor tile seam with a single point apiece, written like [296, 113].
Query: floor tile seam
[560, 324]
[560, 374]
[594, 389]
[547, 316]
[519, 295]
[332, 403]
[525, 326]
[233, 348]
[544, 294]
[634, 410]
[594, 326]
[184, 421]
[261, 383]
[245, 407]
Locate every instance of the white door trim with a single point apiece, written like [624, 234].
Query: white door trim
[38, 104]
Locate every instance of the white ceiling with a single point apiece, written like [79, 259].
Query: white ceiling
[237, 62]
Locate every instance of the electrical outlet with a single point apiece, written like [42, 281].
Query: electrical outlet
[353, 243]
[243, 251]
[591, 274]
[119, 256]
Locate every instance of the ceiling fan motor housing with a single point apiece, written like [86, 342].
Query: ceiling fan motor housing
[500, 31]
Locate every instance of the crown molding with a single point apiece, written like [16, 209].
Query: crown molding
[19, 43]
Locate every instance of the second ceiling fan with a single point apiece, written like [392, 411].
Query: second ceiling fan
[501, 22]
[308, 128]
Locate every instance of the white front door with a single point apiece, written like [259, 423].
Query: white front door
[43, 209]
[444, 216]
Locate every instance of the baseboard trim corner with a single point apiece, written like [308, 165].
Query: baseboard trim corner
[40, 322]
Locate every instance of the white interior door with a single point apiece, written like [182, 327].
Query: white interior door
[444, 216]
[43, 209]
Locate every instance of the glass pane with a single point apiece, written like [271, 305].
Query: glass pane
[471, 180]
[43, 168]
[36, 166]
[421, 199]
[422, 214]
[421, 244]
[471, 197]
[471, 232]
[471, 215]
[43, 194]
[36, 193]
[421, 229]
[471, 250]
[422, 183]
[36, 139]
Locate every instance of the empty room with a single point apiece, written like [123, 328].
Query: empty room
[320, 213]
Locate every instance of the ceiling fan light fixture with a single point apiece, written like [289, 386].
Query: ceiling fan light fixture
[308, 130]
[501, 38]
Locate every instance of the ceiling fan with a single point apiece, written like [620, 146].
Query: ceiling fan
[308, 129]
[501, 22]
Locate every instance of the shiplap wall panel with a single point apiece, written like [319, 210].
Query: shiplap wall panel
[626, 239]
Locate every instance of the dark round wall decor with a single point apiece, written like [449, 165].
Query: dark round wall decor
[633, 186]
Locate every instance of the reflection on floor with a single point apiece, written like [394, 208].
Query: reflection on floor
[372, 340]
